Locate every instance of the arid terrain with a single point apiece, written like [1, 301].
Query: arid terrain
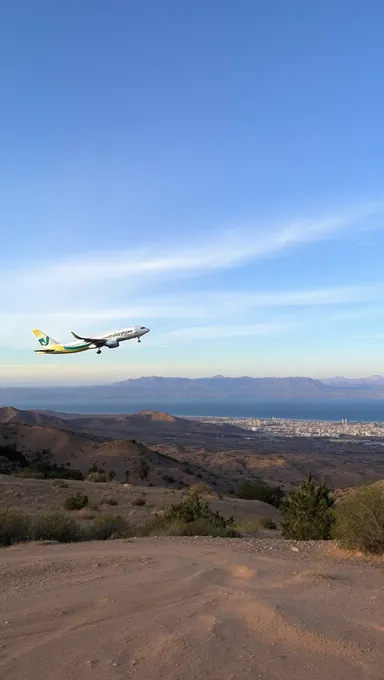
[185, 609]
[181, 452]
[178, 608]
[38, 495]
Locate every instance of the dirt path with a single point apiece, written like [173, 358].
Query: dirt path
[183, 610]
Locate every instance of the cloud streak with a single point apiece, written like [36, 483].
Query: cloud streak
[220, 250]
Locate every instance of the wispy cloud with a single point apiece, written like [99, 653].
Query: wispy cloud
[228, 330]
[221, 249]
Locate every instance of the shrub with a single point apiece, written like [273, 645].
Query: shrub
[359, 521]
[45, 470]
[98, 477]
[139, 501]
[15, 526]
[191, 517]
[268, 523]
[109, 526]
[307, 512]
[55, 526]
[253, 525]
[110, 501]
[76, 502]
[200, 487]
[169, 479]
[160, 525]
[258, 491]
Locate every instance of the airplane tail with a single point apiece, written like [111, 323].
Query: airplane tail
[45, 340]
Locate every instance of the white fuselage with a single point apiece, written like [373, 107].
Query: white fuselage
[117, 335]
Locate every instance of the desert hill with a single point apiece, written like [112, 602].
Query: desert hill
[119, 456]
[193, 450]
[144, 425]
[9, 414]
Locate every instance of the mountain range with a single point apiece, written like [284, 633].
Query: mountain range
[161, 390]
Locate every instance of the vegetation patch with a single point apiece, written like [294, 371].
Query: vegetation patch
[191, 517]
[359, 521]
[256, 524]
[139, 501]
[200, 488]
[307, 512]
[258, 491]
[15, 526]
[109, 526]
[97, 477]
[55, 526]
[77, 501]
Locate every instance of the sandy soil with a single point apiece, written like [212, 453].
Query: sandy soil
[182, 609]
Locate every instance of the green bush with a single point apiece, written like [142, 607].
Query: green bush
[15, 526]
[109, 526]
[76, 502]
[191, 517]
[258, 491]
[359, 521]
[55, 526]
[307, 512]
[268, 523]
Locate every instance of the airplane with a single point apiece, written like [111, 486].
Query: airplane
[110, 340]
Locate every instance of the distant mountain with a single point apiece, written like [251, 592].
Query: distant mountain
[159, 391]
[220, 387]
[373, 381]
[145, 425]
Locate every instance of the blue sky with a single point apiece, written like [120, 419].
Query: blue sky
[212, 170]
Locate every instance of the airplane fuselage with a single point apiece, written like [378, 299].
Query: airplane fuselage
[110, 340]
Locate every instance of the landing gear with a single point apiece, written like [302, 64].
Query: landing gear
[138, 340]
[98, 351]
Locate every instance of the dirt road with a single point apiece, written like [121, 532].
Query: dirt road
[180, 609]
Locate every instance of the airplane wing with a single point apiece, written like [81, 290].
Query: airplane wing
[95, 341]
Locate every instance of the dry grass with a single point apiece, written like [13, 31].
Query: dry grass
[40, 496]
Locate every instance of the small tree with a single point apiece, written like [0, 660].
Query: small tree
[141, 468]
[126, 476]
[307, 512]
[111, 475]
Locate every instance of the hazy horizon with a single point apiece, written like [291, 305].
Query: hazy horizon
[202, 377]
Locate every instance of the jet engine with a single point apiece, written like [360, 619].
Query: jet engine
[112, 343]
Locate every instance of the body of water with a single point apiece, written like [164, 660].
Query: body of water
[367, 410]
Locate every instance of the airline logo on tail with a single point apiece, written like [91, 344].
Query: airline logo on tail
[44, 341]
